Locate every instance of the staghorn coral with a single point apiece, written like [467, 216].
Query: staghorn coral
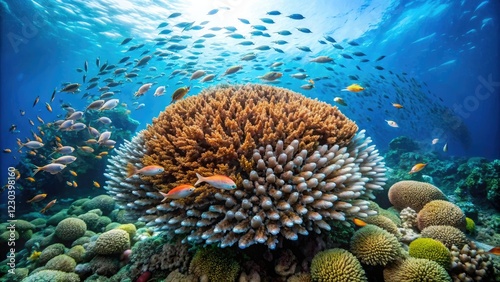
[336, 265]
[470, 264]
[416, 270]
[413, 194]
[428, 248]
[440, 212]
[373, 245]
[448, 235]
[297, 163]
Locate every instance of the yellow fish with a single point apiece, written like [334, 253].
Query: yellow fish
[73, 173]
[30, 179]
[397, 106]
[353, 88]
[416, 168]
[34, 256]
[96, 184]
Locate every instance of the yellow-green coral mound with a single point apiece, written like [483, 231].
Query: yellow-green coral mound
[413, 194]
[216, 264]
[448, 235]
[470, 225]
[416, 270]
[384, 223]
[115, 241]
[440, 212]
[428, 248]
[336, 265]
[70, 229]
[373, 245]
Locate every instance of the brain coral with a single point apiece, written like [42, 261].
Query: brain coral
[112, 242]
[70, 229]
[413, 194]
[373, 245]
[448, 235]
[416, 270]
[62, 263]
[428, 248]
[336, 265]
[384, 223]
[297, 163]
[440, 212]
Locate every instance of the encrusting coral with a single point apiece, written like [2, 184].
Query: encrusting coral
[373, 245]
[336, 265]
[440, 212]
[297, 163]
[413, 194]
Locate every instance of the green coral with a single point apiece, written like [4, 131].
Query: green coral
[217, 264]
[77, 253]
[428, 248]
[51, 252]
[62, 263]
[129, 228]
[416, 270]
[481, 181]
[373, 245]
[112, 242]
[336, 265]
[91, 220]
[70, 229]
[103, 202]
[52, 276]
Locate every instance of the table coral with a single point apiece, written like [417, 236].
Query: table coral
[297, 163]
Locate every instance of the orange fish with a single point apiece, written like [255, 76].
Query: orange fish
[18, 174]
[69, 183]
[96, 184]
[75, 184]
[37, 198]
[7, 150]
[149, 170]
[358, 222]
[73, 173]
[495, 251]
[179, 192]
[49, 108]
[397, 106]
[416, 168]
[86, 149]
[50, 204]
[58, 139]
[40, 119]
[218, 181]
[311, 81]
[30, 179]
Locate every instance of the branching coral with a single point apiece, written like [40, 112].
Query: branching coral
[413, 194]
[297, 163]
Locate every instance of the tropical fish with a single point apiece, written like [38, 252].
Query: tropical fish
[358, 222]
[159, 91]
[434, 141]
[34, 256]
[37, 198]
[397, 106]
[445, 147]
[307, 86]
[340, 101]
[30, 179]
[179, 93]
[7, 150]
[392, 123]
[208, 78]
[322, 59]
[126, 40]
[218, 181]
[36, 100]
[86, 149]
[296, 16]
[71, 88]
[416, 168]
[149, 170]
[50, 204]
[65, 150]
[353, 88]
[143, 89]
[32, 145]
[271, 76]
[53, 95]
[95, 105]
[96, 184]
[52, 168]
[110, 104]
[197, 74]
[104, 120]
[64, 160]
[495, 251]
[73, 173]
[232, 70]
[181, 191]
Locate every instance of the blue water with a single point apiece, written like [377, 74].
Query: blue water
[439, 55]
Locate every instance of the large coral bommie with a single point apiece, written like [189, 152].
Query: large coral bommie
[297, 163]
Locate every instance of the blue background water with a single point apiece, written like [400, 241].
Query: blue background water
[449, 48]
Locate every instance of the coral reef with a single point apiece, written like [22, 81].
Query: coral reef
[297, 163]
[336, 265]
[216, 264]
[413, 194]
[112, 242]
[63, 263]
[448, 235]
[384, 223]
[70, 229]
[416, 270]
[50, 252]
[439, 212]
[428, 248]
[373, 245]
[470, 263]
[52, 276]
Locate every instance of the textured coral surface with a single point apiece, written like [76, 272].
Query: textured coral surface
[297, 163]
